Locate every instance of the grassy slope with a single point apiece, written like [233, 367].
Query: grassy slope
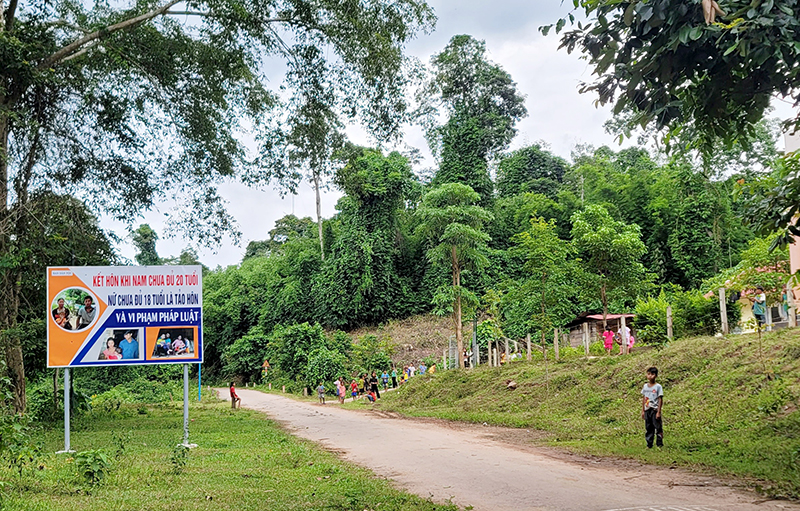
[416, 337]
[244, 462]
[726, 408]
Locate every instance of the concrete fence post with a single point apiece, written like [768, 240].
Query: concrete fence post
[723, 311]
[669, 322]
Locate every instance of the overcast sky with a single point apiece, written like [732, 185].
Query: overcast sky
[549, 79]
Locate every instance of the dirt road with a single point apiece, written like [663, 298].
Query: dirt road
[476, 466]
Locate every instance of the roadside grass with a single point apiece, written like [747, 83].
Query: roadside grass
[729, 407]
[244, 462]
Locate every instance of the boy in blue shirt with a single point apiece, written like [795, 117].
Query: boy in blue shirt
[652, 399]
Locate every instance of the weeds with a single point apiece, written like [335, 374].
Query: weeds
[92, 465]
[179, 458]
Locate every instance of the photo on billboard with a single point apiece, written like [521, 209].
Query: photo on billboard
[117, 345]
[74, 309]
[172, 342]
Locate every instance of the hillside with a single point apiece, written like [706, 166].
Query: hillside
[728, 406]
[416, 337]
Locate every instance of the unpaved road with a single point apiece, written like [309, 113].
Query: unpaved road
[477, 466]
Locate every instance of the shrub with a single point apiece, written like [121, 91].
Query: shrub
[246, 355]
[16, 442]
[92, 465]
[325, 365]
[692, 315]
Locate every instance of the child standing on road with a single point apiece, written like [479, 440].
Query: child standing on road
[235, 400]
[354, 389]
[321, 393]
[652, 399]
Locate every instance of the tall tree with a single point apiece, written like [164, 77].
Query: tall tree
[453, 222]
[64, 233]
[127, 104]
[610, 251]
[313, 129]
[360, 283]
[552, 277]
[482, 106]
[530, 169]
[144, 239]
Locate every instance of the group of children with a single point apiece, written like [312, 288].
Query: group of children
[624, 337]
[368, 386]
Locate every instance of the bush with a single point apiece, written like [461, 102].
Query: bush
[16, 442]
[246, 355]
[92, 465]
[325, 365]
[692, 315]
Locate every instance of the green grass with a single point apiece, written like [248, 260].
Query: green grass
[244, 462]
[729, 408]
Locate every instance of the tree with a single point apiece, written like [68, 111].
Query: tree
[144, 239]
[610, 251]
[552, 279]
[453, 222]
[530, 169]
[662, 61]
[287, 228]
[360, 283]
[773, 203]
[312, 132]
[125, 104]
[65, 233]
[482, 105]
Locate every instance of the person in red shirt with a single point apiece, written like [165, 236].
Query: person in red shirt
[234, 398]
[608, 339]
[354, 389]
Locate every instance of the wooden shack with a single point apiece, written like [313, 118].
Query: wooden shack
[592, 325]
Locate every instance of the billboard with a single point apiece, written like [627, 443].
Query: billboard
[119, 315]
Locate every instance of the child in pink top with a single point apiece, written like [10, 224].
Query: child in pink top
[608, 339]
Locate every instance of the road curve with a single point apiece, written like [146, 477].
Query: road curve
[470, 467]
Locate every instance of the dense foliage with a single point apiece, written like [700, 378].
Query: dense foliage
[527, 250]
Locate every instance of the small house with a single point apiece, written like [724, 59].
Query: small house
[592, 325]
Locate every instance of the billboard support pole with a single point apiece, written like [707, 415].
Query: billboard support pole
[186, 408]
[67, 449]
[199, 382]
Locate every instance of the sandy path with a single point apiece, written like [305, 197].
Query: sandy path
[471, 466]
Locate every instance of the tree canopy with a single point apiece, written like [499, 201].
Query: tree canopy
[661, 60]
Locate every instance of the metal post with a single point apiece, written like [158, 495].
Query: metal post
[790, 301]
[669, 322]
[66, 413]
[185, 404]
[723, 311]
[199, 382]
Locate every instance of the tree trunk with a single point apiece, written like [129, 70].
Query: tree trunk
[604, 299]
[457, 308]
[319, 217]
[9, 280]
